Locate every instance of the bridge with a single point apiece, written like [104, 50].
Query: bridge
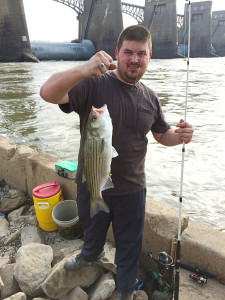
[101, 22]
[138, 13]
[76, 5]
[135, 11]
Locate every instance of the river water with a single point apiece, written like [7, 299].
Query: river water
[26, 119]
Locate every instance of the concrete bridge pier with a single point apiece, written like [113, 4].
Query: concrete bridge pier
[14, 38]
[80, 20]
[160, 17]
[201, 28]
[102, 24]
[218, 32]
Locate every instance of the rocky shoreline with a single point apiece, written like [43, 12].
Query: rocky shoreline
[26, 217]
[31, 260]
[24, 276]
[23, 168]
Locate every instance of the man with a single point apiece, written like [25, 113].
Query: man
[135, 110]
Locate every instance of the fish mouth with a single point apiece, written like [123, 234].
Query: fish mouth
[99, 110]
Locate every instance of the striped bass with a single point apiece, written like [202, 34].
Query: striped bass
[97, 154]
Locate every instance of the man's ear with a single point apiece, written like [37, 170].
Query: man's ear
[150, 55]
[117, 53]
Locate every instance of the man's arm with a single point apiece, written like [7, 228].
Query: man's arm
[55, 89]
[173, 137]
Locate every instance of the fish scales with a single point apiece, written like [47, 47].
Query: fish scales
[97, 155]
[95, 166]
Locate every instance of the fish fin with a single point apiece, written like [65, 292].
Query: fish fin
[97, 205]
[109, 184]
[114, 152]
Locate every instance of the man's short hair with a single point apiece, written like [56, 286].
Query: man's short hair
[135, 33]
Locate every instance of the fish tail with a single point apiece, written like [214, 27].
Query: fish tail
[97, 205]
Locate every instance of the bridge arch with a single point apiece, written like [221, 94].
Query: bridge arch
[135, 11]
[77, 5]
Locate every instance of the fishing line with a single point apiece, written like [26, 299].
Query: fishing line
[177, 264]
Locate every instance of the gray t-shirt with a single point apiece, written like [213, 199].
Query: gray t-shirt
[133, 114]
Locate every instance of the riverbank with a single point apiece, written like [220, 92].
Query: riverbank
[23, 168]
[27, 119]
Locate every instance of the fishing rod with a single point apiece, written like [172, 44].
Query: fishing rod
[177, 263]
[201, 273]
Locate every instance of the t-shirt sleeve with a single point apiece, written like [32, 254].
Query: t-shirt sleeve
[78, 96]
[160, 124]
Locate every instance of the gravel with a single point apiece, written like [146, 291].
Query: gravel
[12, 247]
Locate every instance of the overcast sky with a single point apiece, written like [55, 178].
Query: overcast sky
[52, 21]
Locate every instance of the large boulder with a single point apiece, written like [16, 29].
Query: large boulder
[32, 234]
[17, 296]
[10, 285]
[77, 293]
[65, 247]
[60, 281]
[4, 227]
[33, 263]
[103, 288]
[15, 199]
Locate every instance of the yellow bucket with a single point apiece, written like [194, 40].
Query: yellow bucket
[45, 197]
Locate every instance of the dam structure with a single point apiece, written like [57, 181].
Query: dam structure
[160, 17]
[100, 23]
[201, 29]
[14, 38]
[218, 32]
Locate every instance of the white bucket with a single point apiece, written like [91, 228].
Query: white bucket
[65, 215]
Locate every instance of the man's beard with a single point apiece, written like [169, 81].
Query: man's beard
[132, 78]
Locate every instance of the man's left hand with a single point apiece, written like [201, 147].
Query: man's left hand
[185, 131]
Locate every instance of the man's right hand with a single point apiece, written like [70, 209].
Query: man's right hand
[93, 66]
[56, 88]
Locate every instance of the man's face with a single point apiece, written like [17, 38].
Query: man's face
[133, 58]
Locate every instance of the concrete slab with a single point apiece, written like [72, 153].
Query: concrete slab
[161, 226]
[192, 290]
[13, 162]
[40, 169]
[204, 248]
[7, 150]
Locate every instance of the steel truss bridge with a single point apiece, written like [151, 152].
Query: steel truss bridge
[135, 11]
[77, 5]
